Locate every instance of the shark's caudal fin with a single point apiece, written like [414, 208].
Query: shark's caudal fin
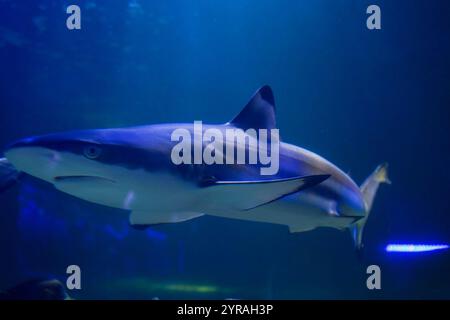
[8, 174]
[369, 189]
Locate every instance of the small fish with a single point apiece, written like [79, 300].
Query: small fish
[37, 289]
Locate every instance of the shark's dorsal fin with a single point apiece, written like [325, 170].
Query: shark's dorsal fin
[259, 112]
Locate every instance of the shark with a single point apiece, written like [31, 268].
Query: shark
[131, 168]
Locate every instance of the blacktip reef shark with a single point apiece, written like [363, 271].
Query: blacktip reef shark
[131, 168]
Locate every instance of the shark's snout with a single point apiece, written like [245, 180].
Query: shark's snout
[34, 160]
[27, 142]
[58, 159]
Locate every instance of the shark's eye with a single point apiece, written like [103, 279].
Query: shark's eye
[92, 152]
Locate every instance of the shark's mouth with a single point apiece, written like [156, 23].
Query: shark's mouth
[82, 178]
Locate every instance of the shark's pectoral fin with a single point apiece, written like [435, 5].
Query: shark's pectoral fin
[140, 219]
[246, 195]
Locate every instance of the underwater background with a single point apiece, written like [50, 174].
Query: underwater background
[358, 97]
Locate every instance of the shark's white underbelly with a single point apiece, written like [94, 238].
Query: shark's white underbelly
[161, 197]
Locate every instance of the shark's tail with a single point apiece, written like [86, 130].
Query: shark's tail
[8, 174]
[369, 189]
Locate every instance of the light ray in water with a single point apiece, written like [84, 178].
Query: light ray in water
[412, 248]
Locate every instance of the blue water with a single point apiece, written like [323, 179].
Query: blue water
[354, 96]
